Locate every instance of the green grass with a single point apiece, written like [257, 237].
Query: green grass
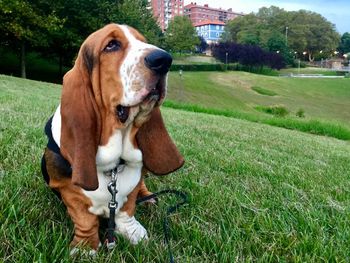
[317, 127]
[263, 91]
[323, 99]
[258, 193]
[276, 110]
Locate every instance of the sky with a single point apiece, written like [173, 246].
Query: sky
[336, 11]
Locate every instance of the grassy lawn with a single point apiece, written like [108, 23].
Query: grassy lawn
[324, 99]
[258, 193]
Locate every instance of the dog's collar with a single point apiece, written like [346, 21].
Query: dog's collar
[116, 168]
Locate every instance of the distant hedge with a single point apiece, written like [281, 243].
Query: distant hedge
[247, 55]
[198, 67]
[222, 67]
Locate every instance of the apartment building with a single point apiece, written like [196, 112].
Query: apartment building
[199, 14]
[166, 10]
[210, 30]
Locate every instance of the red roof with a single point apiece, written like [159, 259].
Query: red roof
[210, 22]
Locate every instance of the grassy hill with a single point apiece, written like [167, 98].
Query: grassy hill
[258, 193]
[324, 99]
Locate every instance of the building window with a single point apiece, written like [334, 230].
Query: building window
[217, 27]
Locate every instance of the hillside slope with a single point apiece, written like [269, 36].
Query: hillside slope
[257, 192]
[324, 99]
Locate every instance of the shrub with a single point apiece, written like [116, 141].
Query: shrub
[300, 113]
[247, 55]
[276, 110]
[263, 91]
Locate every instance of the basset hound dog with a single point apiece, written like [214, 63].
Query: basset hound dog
[109, 113]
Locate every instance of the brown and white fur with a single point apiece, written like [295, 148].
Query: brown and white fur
[109, 72]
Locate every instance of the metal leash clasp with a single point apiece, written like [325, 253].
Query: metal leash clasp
[112, 205]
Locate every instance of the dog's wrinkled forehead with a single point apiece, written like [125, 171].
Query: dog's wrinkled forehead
[136, 52]
[137, 48]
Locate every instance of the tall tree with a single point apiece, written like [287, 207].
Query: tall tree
[314, 31]
[242, 30]
[181, 35]
[344, 45]
[26, 23]
[81, 18]
[302, 30]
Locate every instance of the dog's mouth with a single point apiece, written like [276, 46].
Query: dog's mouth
[122, 113]
[156, 94]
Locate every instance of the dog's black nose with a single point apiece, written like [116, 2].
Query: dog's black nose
[159, 61]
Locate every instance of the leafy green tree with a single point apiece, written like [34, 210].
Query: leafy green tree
[344, 45]
[81, 18]
[242, 30]
[307, 31]
[181, 35]
[314, 32]
[26, 23]
[277, 43]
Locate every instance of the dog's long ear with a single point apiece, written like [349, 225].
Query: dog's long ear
[160, 155]
[81, 121]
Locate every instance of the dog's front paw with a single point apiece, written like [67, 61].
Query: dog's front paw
[130, 228]
[83, 251]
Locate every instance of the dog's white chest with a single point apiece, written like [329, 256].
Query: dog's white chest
[108, 156]
[126, 182]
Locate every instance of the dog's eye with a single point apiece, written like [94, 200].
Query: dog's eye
[112, 45]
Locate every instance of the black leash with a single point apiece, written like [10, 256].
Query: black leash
[113, 204]
[170, 210]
